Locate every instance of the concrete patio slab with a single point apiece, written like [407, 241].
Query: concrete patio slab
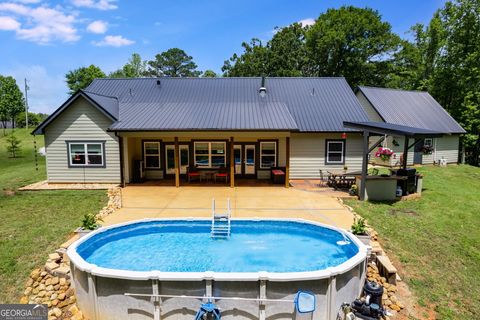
[141, 202]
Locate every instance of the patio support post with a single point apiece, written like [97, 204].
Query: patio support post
[287, 162]
[232, 164]
[177, 167]
[405, 153]
[363, 186]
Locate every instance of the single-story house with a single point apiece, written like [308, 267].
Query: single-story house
[119, 130]
[416, 109]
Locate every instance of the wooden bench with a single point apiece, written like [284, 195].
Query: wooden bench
[387, 269]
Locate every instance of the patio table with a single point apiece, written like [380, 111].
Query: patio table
[342, 179]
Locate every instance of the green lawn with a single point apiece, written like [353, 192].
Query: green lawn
[436, 239]
[35, 223]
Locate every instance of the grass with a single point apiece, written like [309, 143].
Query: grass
[436, 239]
[33, 223]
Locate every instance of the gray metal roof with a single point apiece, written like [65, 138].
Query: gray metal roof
[305, 104]
[391, 128]
[110, 104]
[411, 108]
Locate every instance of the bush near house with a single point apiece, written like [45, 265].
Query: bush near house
[34, 223]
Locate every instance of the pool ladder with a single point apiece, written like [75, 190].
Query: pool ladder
[220, 222]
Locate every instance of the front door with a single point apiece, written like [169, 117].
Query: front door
[237, 158]
[170, 158]
[418, 152]
[249, 159]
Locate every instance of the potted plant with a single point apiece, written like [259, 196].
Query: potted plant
[89, 223]
[359, 229]
[353, 190]
[427, 150]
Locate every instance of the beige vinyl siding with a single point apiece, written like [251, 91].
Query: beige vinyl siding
[444, 147]
[307, 154]
[81, 122]
[134, 146]
[367, 106]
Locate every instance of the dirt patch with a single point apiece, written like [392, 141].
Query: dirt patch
[9, 192]
[407, 212]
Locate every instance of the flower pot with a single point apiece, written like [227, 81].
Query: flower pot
[83, 232]
[364, 238]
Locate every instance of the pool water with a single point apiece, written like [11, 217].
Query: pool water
[186, 246]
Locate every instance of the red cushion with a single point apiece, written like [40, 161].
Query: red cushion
[222, 174]
[193, 174]
[278, 172]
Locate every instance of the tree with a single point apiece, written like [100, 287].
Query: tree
[34, 119]
[82, 77]
[173, 63]
[284, 55]
[354, 43]
[11, 100]
[13, 145]
[134, 68]
[209, 74]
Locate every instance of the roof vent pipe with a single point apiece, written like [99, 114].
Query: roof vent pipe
[262, 91]
[158, 82]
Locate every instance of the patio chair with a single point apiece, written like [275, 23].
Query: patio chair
[222, 173]
[323, 179]
[193, 173]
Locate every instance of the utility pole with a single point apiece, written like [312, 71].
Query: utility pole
[26, 103]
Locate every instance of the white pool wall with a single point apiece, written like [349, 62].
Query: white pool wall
[101, 291]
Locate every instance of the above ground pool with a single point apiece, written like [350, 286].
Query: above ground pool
[186, 246]
[132, 266]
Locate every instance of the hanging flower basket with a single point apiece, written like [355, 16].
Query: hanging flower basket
[384, 153]
[427, 149]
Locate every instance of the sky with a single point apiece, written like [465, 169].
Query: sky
[43, 40]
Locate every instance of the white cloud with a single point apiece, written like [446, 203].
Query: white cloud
[97, 27]
[42, 24]
[96, 4]
[114, 41]
[8, 23]
[307, 22]
[47, 91]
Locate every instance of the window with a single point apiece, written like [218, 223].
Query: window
[268, 154]
[210, 154]
[90, 154]
[428, 142]
[151, 154]
[335, 152]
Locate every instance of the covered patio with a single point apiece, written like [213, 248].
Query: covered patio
[411, 135]
[261, 202]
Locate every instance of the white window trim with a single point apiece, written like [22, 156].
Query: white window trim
[268, 155]
[429, 144]
[85, 148]
[145, 155]
[328, 152]
[209, 153]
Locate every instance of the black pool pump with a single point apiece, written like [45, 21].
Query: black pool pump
[371, 307]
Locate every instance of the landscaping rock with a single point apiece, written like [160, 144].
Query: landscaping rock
[57, 312]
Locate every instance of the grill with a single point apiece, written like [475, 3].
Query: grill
[408, 185]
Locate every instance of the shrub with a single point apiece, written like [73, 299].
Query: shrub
[13, 145]
[359, 226]
[89, 221]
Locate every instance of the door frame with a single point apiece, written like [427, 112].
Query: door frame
[242, 145]
[417, 152]
[165, 144]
